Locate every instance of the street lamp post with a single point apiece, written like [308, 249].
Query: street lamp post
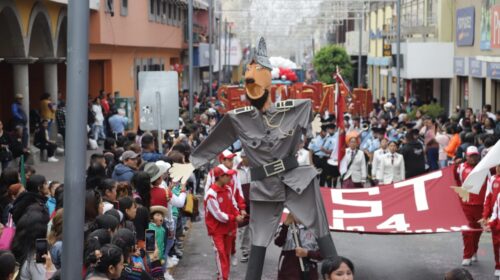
[76, 138]
[210, 42]
[190, 38]
[398, 55]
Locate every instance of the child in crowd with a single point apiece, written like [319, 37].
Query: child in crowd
[51, 200]
[308, 250]
[221, 218]
[158, 214]
[107, 188]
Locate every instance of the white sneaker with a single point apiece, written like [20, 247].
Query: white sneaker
[234, 260]
[497, 272]
[466, 262]
[60, 150]
[167, 276]
[474, 258]
[52, 159]
[171, 263]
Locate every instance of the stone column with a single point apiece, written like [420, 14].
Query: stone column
[51, 85]
[21, 82]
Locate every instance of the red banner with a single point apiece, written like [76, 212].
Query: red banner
[424, 204]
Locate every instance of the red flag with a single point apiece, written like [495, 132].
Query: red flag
[339, 111]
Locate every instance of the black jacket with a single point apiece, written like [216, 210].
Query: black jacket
[414, 156]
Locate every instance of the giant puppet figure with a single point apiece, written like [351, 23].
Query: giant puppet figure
[270, 135]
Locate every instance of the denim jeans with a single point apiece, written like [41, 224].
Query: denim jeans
[443, 163]
[98, 132]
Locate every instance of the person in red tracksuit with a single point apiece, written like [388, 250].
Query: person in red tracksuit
[473, 209]
[226, 159]
[221, 217]
[490, 215]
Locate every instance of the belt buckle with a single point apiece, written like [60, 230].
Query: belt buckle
[274, 168]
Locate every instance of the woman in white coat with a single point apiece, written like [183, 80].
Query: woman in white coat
[392, 166]
[353, 166]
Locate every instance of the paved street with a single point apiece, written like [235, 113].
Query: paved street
[412, 257]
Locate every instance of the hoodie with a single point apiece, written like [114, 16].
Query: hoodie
[122, 173]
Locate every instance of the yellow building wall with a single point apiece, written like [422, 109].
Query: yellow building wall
[25, 7]
[373, 28]
[380, 25]
[446, 20]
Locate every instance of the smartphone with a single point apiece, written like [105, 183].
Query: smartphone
[150, 240]
[42, 248]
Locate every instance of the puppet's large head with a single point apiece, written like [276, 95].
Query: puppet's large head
[258, 73]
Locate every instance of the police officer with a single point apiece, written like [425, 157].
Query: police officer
[269, 134]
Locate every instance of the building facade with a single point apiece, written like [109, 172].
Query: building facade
[426, 49]
[476, 64]
[126, 37]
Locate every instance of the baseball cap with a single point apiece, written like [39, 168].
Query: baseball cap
[128, 155]
[472, 150]
[226, 154]
[219, 171]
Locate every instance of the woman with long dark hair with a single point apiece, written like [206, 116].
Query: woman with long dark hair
[109, 264]
[142, 186]
[30, 227]
[55, 239]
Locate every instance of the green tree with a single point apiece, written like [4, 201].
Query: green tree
[327, 59]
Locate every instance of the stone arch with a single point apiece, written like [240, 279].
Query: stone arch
[39, 38]
[61, 38]
[11, 34]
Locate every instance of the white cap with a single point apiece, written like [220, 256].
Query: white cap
[388, 105]
[472, 150]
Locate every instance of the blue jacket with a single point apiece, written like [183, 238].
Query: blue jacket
[51, 205]
[18, 113]
[122, 173]
[151, 156]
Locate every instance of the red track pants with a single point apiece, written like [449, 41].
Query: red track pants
[222, 246]
[473, 213]
[495, 236]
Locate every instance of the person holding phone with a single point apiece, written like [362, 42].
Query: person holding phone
[221, 218]
[157, 214]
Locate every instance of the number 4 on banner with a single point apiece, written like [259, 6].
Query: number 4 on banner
[397, 222]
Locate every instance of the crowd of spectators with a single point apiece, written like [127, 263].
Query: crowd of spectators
[128, 190]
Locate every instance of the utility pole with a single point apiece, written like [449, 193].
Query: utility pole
[76, 138]
[229, 56]
[190, 36]
[219, 42]
[210, 48]
[398, 56]
[225, 48]
[360, 54]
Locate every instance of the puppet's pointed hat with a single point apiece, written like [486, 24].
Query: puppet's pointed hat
[260, 54]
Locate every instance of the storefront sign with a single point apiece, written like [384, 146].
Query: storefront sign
[465, 26]
[493, 70]
[495, 27]
[475, 67]
[424, 204]
[459, 66]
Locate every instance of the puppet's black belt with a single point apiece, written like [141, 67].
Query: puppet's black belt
[273, 168]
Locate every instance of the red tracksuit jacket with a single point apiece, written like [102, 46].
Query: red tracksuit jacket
[234, 186]
[492, 190]
[461, 172]
[220, 212]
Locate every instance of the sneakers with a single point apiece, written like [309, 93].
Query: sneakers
[467, 262]
[497, 272]
[234, 260]
[52, 159]
[167, 276]
[244, 259]
[474, 258]
[171, 262]
[60, 150]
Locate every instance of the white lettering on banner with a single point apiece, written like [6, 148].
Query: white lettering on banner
[496, 29]
[397, 222]
[340, 215]
[419, 188]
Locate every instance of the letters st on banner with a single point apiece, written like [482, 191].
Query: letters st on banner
[424, 204]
